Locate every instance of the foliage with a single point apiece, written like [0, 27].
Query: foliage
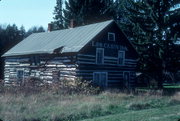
[10, 35]
[154, 28]
[35, 29]
[58, 15]
[82, 12]
[77, 86]
[34, 85]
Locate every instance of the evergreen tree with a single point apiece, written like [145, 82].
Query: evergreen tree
[58, 12]
[9, 36]
[121, 16]
[82, 11]
[155, 27]
[34, 29]
[22, 32]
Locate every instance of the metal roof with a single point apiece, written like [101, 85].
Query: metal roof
[71, 40]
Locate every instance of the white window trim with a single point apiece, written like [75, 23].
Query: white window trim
[97, 57]
[124, 55]
[106, 73]
[113, 34]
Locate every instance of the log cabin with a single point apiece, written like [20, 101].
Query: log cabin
[98, 52]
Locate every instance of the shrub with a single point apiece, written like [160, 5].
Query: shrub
[74, 87]
[35, 85]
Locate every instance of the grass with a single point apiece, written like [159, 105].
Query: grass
[171, 113]
[174, 86]
[178, 86]
[106, 106]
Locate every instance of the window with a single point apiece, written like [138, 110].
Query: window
[121, 57]
[100, 78]
[111, 36]
[35, 60]
[99, 56]
[20, 74]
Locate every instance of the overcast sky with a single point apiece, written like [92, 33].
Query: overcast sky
[27, 12]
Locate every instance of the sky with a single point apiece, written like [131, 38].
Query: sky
[28, 13]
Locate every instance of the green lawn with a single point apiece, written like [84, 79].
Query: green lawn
[176, 86]
[171, 113]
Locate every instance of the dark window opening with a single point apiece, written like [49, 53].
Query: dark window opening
[35, 61]
[20, 74]
[111, 36]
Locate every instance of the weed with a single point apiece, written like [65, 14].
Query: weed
[53, 104]
[139, 106]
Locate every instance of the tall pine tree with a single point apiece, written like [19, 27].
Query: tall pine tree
[58, 12]
[10, 35]
[82, 12]
[155, 28]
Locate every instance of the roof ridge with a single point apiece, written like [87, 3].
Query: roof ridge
[77, 27]
[72, 39]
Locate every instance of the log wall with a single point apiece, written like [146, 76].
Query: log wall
[48, 69]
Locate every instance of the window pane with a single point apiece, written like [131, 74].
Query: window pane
[121, 57]
[99, 55]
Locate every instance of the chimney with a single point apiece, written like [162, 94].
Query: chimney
[72, 23]
[49, 27]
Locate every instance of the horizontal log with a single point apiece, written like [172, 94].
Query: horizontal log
[85, 55]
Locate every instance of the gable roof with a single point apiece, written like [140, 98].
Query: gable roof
[70, 40]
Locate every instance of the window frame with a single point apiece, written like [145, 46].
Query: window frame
[97, 49]
[111, 34]
[124, 55]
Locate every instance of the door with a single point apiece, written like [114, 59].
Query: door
[100, 78]
[126, 77]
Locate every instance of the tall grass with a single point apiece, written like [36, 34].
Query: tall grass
[49, 106]
[74, 101]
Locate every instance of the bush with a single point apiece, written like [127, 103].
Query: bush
[35, 85]
[74, 87]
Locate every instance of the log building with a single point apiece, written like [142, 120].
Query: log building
[99, 52]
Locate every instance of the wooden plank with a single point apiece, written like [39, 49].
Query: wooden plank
[86, 59]
[86, 55]
[110, 57]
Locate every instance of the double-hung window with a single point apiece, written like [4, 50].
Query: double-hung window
[99, 56]
[121, 57]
